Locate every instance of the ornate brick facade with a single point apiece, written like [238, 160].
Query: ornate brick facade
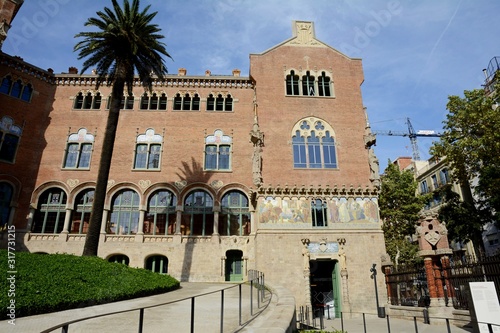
[273, 172]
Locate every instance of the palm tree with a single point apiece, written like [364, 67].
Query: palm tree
[125, 43]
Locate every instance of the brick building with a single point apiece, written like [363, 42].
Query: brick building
[212, 175]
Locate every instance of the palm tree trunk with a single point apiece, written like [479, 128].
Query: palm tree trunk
[94, 231]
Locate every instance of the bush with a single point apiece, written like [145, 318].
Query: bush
[55, 282]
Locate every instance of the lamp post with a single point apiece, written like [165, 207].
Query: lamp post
[380, 310]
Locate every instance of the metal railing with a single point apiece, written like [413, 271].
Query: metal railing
[307, 319]
[256, 293]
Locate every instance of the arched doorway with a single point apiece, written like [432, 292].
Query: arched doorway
[326, 291]
[234, 265]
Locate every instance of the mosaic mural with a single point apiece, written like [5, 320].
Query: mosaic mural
[298, 210]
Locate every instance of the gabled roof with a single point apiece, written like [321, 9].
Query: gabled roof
[303, 36]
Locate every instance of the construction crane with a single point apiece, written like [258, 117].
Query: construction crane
[412, 135]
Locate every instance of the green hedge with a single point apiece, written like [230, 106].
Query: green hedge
[53, 282]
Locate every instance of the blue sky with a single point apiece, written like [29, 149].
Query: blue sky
[415, 53]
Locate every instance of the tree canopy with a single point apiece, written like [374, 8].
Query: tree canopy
[471, 145]
[399, 209]
[126, 43]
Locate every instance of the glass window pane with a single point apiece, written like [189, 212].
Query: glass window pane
[9, 147]
[154, 102]
[196, 103]
[211, 157]
[154, 157]
[16, 89]
[141, 155]
[27, 91]
[6, 83]
[177, 102]
[186, 103]
[224, 154]
[85, 154]
[144, 102]
[299, 151]
[163, 102]
[210, 103]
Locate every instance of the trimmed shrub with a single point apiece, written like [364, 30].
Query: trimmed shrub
[54, 282]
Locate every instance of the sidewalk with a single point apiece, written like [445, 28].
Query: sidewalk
[167, 318]
[374, 324]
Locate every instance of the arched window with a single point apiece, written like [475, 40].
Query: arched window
[235, 216]
[318, 213]
[6, 191]
[148, 151]
[87, 101]
[27, 92]
[16, 88]
[324, 88]
[6, 85]
[124, 217]
[313, 145]
[161, 215]
[155, 101]
[51, 211]
[78, 150]
[292, 83]
[81, 213]
[198, 215]
[187, 101]
[308, 85]
[126, 103]
[10, 134]
[157, 264]
[218, 151]
[222, 102]
[119, 259]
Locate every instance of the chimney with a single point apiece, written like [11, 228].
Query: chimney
[182, 72]
[73, 70]
[236, 72]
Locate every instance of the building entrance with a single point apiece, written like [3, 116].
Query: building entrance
[234, 265]
[325, 288]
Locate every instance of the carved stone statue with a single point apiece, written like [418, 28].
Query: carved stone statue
[374, 168]
[342, 258]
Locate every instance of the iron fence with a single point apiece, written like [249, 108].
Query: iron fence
[407, 285]
[465, 269]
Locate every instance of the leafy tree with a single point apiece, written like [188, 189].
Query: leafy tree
[399, 209]
[125, 43]
[471, 144]
[463, 219]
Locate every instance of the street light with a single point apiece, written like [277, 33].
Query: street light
[380, 310]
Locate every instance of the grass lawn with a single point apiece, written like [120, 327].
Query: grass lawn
[42, 283]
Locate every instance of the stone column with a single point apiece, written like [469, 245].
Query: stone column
[431, 281]
[104, 222]
[67, 220]
[445, 264]
[346, 305]
[438, 283]
[139, 236]
[63, 237]
[215, 231]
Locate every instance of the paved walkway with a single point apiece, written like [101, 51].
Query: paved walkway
[167, 318]
[373, 324]
[176, 317]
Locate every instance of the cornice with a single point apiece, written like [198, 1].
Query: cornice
[26, 68]
[188, 82]
[319, 190]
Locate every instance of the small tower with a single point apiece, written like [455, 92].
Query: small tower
[435, 249]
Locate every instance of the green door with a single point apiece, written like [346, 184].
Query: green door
[337, 289]
[234, 265]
